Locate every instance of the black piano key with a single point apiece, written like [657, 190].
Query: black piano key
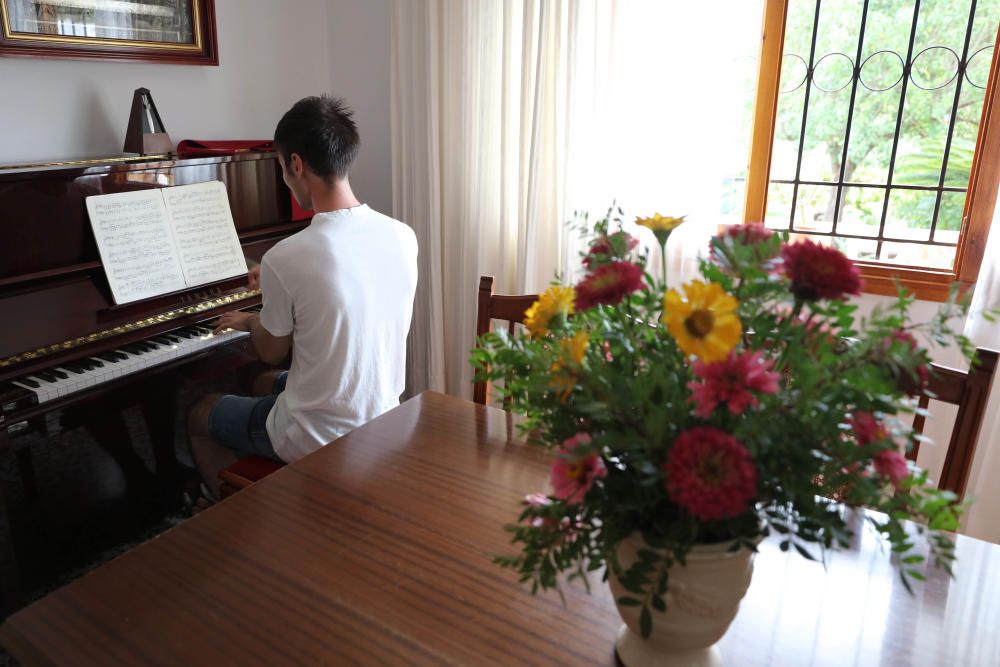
[162, 340]
[183, 333]
[95, 362]
[30, 382]
[172, 338]
[75, 367]
[62, 375]
[40, 380]
[46, 375]
[111, 357]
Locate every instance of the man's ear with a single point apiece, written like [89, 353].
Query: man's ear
[297, 165]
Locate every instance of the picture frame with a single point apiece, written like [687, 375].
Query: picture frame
[164, 31]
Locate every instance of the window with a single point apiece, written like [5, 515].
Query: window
[871, 133]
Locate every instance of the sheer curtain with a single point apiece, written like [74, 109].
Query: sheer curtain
[982, 522]
[510, 115]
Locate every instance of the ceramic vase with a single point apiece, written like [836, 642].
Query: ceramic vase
[702, 600]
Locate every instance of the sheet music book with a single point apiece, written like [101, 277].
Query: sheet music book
[157, 241]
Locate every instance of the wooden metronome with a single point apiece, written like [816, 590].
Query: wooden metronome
[146, 134]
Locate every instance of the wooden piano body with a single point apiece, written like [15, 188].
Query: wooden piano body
[63, 341]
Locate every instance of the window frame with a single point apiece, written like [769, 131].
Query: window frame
[981, 197]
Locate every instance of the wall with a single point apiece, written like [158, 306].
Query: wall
[359, 72]
[270, 53]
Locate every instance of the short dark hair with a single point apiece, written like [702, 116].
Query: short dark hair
[322, 132]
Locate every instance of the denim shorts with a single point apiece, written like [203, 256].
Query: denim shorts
[239, 423]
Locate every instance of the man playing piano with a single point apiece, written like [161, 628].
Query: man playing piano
[338, 295]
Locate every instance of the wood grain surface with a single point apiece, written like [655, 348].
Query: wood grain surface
[375, 550]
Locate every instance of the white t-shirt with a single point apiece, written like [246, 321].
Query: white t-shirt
[343, 288]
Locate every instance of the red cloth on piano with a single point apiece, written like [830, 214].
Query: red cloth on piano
[201, 148]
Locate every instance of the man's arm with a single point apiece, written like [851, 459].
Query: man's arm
[271, 349]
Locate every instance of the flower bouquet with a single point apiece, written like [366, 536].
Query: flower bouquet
[749, 402]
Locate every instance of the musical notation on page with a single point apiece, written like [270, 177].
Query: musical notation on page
[136, 245]
[207, 243]
[153, 242]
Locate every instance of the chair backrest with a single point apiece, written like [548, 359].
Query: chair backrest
[491, 307]
[969, 390]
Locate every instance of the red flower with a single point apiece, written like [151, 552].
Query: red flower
[820, 272]
[867, 429]
[891, 464]
[608, 284]
[603, 248]
[710, 474]
[731, 381]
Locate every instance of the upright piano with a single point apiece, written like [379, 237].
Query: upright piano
[64, 342]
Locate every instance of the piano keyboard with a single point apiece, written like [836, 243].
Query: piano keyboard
[81, 374]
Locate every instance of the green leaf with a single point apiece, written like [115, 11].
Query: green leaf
[645, 623]
[628, 602]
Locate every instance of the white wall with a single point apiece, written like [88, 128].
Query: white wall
[270, 54]
[359, 72]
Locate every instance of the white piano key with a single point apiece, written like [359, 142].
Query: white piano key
[132, 363]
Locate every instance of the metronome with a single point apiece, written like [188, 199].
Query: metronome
[146, 134]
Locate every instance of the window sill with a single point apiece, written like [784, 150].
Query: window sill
[925, 285]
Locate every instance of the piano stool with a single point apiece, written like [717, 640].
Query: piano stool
[245, 472]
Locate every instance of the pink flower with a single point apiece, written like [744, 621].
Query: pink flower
[535, 501]
[731, 381]
[710, 474]
[867, 429]
[749, 234]
[608, 284]
[572, 475]
[820, 272]
[891, 464]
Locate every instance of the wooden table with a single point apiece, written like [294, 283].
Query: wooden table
[374, 550]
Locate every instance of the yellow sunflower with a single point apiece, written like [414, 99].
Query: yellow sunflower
[553, 301]
[571, 353]
[660, 223]
[703, 321]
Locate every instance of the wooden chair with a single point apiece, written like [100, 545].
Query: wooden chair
[493, 307]
[969, 390]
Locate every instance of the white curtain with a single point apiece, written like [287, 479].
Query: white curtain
[982, 521]
[509, 115]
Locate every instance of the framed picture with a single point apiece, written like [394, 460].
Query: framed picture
[168, 31]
